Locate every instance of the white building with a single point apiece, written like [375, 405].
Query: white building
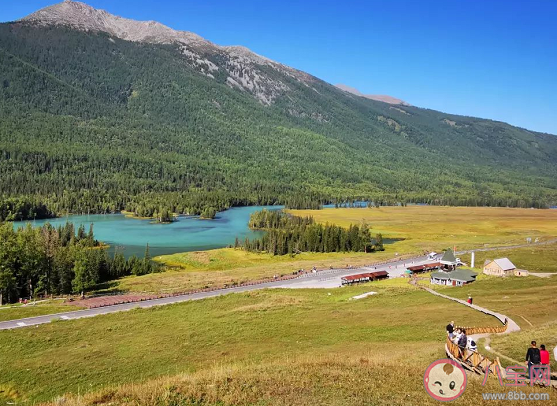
[499, 267]
[460, 277]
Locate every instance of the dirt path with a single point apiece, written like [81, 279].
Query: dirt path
[543, 274]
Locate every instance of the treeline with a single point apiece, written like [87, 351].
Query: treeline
[291, 234]
[48, 260]
[16, 209]
[157, 205]
[310, 202]
[269, 219]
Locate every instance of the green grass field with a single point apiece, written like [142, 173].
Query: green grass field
[536, 258]
[237, 331]
[529, 301]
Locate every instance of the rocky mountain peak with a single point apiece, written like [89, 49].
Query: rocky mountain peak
[241, 65]
[379, 97]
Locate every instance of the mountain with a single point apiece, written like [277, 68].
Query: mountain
[244, 68]
[99, 113]
[379, 97]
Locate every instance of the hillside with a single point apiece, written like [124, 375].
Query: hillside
[100, 113]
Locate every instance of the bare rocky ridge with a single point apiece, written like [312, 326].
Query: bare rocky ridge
[378, 97]
[242, 66]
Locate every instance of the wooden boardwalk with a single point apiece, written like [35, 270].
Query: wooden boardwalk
[473, 360]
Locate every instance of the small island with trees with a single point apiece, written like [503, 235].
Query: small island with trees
[286, 234]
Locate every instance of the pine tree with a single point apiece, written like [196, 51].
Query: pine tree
[91, 236]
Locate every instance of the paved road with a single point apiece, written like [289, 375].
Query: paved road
[308, 280]
[323, 279]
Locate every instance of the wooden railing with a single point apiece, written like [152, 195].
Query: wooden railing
[484, 330]
[472, 360]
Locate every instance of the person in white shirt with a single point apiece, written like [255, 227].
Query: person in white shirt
[457, 335]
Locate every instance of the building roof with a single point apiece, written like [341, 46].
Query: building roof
[440, 275]
[376, 274]
[464, 275]
[424, 267]
[448, 256]
[505, 264]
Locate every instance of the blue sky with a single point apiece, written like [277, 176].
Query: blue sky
[484, 58]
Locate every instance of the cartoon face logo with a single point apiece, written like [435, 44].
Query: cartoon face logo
[445, 380]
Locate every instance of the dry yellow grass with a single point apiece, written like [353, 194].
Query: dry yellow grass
[368, 378]
[437, 227]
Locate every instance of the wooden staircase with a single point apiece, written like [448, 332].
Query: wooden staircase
[473, 360]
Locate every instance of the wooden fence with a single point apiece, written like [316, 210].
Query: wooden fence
[485, 330]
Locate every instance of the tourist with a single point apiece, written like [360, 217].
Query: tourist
[457, 335]
[462, 342]
[544, 355]
[472, 345]
[532, 357]
[450, 330]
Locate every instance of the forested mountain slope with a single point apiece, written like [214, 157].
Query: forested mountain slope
[90, 122]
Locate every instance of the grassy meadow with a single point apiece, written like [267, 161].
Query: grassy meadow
[340, 379]
[438, 227]
[535, 258]
[529, 301]
[295, 330]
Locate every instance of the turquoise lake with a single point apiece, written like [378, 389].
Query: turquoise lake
[189, 233]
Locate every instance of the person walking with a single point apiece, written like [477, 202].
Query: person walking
[532, 357]
[450, 330]
[544, 355]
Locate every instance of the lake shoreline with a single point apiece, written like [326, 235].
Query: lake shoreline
[130, 235]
